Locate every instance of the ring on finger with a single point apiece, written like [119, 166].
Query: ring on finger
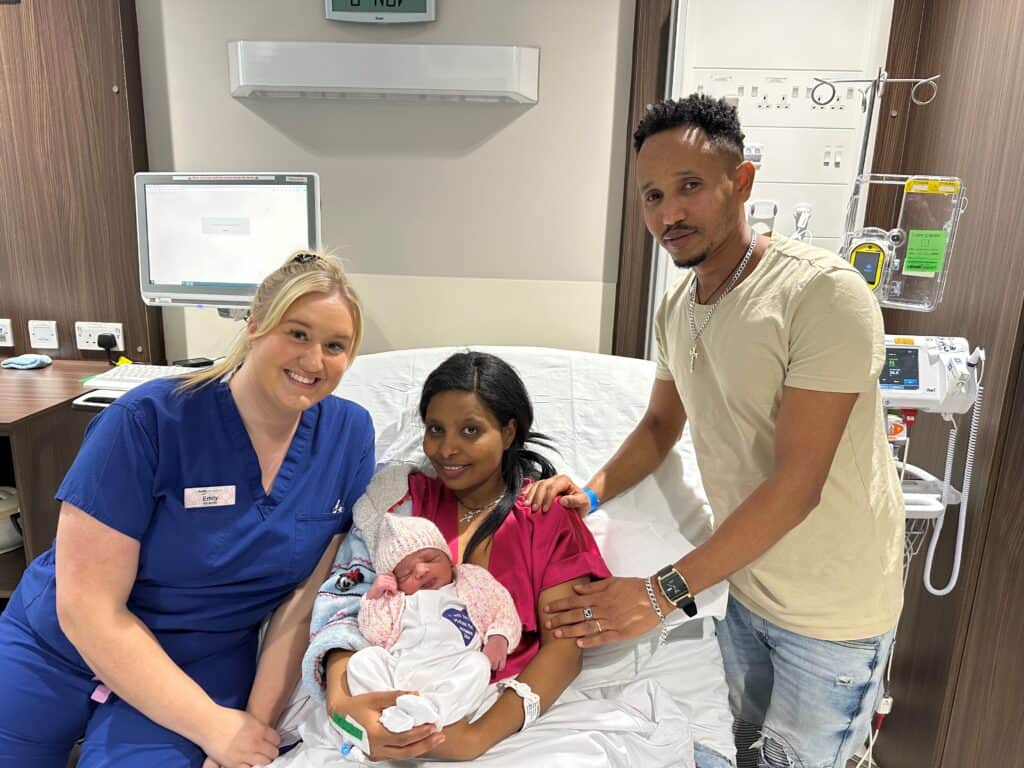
[588, 614]
[599, 628]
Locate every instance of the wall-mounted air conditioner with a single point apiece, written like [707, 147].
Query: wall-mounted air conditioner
[372, 70]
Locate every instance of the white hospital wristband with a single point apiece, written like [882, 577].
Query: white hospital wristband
[531, 701]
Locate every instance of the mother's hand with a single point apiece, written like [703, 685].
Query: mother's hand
[619, 608]
[366, 708]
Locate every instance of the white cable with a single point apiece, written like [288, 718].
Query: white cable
[867, 755]
[947, 473]
[906, 455]
[892, 651]
[972, 441]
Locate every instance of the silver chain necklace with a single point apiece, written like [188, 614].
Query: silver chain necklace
[469, 514]
[695, 332]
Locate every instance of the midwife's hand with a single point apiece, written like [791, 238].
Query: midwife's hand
[384, 584]
[235, 737]
[365, 709]
[542, 494]
[496, 651]
[620, 608]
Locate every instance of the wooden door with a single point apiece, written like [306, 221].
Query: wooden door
[71, 138]
[988, 703]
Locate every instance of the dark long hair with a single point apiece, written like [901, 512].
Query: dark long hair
[501, 390]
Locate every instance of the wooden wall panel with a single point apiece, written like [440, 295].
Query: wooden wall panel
[988, 700]
[71, 136]
[972, 130]
[894, 108]
[651, 34]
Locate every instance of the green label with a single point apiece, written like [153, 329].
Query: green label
[347, 727]
[926, 252]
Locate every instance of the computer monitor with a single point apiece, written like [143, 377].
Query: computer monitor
[209, 239]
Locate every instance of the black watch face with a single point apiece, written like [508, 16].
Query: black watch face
[674, 586]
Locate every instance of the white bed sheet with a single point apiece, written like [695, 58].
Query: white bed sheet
[587, 403]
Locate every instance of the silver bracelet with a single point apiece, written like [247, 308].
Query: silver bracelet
[654, 600]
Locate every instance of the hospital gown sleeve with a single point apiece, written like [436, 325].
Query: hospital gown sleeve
[113, 475]
[836, 340]
[335, 610]
[490, 605]
[563, 550]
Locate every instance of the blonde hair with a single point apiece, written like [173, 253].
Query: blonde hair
[305, 272]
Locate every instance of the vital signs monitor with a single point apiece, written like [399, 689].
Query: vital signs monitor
[209, 239]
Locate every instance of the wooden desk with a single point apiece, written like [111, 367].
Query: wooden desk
[39, 437]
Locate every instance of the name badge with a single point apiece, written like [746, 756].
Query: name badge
[214, 496]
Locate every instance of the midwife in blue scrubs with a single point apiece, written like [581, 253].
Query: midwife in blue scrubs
[195, 509]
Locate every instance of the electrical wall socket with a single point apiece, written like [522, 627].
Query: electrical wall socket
[42, 334]
[6, 332]
[86, 333]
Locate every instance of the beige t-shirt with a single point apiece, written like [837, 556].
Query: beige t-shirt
[806, 319]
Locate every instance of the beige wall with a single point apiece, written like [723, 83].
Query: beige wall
[461, 223]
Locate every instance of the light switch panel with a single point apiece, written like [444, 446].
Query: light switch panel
[42, 334]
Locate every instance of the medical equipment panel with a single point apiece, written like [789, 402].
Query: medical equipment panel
[870, 253]
[941, 375]
[907, 265]
[902, 369]
[928, 373]
[928, 220]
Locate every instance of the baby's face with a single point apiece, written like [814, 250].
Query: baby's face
[423, 569]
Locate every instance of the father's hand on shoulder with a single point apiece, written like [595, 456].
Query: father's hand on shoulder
[542, 494]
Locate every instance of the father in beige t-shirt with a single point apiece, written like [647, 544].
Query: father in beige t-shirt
[771, 349]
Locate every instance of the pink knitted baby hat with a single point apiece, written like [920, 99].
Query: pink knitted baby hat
[399, 536]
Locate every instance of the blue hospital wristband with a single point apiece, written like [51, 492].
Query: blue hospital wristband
[594, 501]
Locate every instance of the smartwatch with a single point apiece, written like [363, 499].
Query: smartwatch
[531, 701]
[675, 589]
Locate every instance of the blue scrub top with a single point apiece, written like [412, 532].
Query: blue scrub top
[207, 575]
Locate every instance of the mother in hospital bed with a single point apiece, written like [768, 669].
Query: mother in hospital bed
[478, 420]
[194, 509]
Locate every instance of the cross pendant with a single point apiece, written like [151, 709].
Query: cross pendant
[693, 357]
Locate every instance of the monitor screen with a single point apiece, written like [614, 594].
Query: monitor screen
[210, 239]
[867, 262]
[901, 369]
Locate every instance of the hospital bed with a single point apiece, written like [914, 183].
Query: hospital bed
[640, 703]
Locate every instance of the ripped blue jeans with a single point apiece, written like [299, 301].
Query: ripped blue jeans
[798, 702]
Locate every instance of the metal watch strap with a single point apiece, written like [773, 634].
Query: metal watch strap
[677, 590]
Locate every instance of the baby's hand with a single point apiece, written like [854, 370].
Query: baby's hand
[384, 584]
[496, 651]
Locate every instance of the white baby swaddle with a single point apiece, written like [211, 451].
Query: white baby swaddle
[437, 654]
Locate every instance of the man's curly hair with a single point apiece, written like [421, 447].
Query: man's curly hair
[713, 116]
